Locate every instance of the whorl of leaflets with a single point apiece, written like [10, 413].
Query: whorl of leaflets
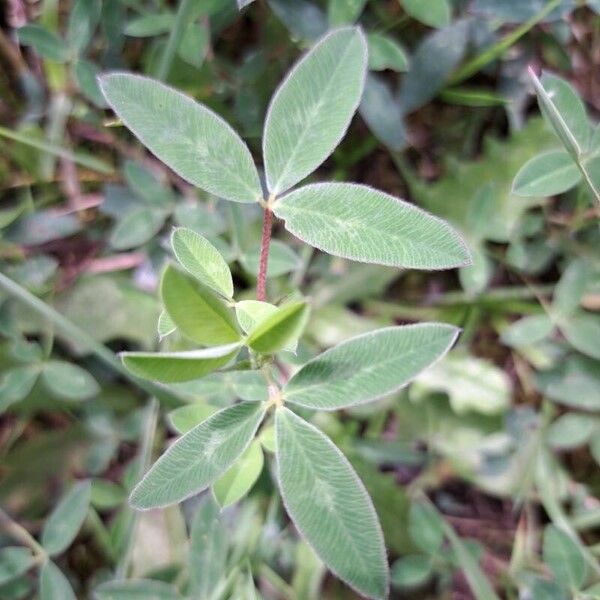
[307, 118]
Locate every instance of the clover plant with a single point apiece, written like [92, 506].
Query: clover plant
[306, 120]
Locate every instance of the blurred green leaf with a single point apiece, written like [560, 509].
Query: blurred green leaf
[136, 589]
[386, 53]
[67, 380]
[14, 561]
[65, 521]
[54, 584]
[46, 43]
[562, 555]
[548, 174]
[435, 13]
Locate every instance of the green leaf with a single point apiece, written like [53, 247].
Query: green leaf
[194, 44]
[235, 483]
[381, 111]
[150, 25]
[280, 329]
[85, 73]
[195, 142]
[386, 53]
[14, 562]
[311, 110]
[412, 571]
[426, 527]
[360, 223]
[472, 384]
[136, 589]
[46, 43]
[176, 367]
[571, 430]
[83, 19]
[564, 557]
[136, 228]
[69, 381]
[66, 519]
[435, 13]
[343, 12]
[571, 287]
[369, 366]
[198, 458]
[145, 185]
[528, 330]
[16, 383]
[185, 418]
[329, 505]
[547, 174]
[196, 310]
[251, 312]
[208, 550]
[582, 330]
[564, 110]
[53, 583]
[202, 260]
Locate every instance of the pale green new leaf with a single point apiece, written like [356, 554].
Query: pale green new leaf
[202, 260]
[547, 174]
[385, 53]
[369, 366]
[208, 550]
[53, 583]
[565, 111]
[364, 224]
[176, 367]
[280, 329]
[16, 383]
[198, 458]
[251, 312]
[311, 110]
[67, 518]
[188, 137]
[196, 310]
[330, 506]
[136, 589]
[69, 381]
[235, 483]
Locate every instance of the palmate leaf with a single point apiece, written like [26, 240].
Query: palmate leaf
[357, 222]
[202, 260]
[311, 110]
[329, 505]
[369, 366]
[188, 137]
[199, 457]
[196, 310]
[176, 367]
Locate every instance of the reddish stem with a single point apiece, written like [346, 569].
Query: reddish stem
[261, 287]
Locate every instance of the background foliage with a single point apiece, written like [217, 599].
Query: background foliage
[484, 472]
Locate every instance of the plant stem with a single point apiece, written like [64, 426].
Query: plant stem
[21, 534]
[181, 20]
[261, 288]
[144, 455]
[496, 50]
[82, 338]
